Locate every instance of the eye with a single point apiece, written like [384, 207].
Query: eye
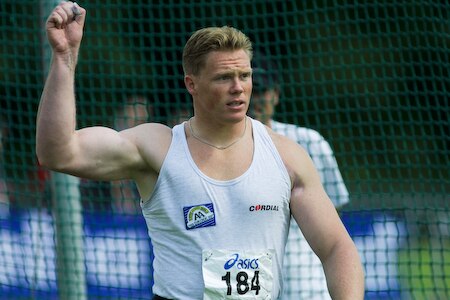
[224, 77]
[246, 75]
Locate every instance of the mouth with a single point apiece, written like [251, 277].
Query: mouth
[235, 104]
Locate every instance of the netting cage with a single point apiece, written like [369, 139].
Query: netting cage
[369, 77]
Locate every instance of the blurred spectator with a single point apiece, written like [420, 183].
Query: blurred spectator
[182, 112]
[303, 274]
[120, 196]
[4, 201]
[23, 183]
[136, 110]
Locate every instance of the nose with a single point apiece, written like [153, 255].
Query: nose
[237, 86]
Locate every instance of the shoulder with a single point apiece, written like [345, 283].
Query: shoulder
[296, 159]
[149, 132]
[152, 141]
[292, 153]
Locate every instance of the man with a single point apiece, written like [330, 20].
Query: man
[216, 191]
[302, 270]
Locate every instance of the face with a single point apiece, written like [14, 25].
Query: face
[263, 105]
[222, 89]
[132, 115]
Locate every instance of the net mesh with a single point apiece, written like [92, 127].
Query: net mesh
[372, 77]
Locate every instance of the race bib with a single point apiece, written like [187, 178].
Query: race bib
[231, 274]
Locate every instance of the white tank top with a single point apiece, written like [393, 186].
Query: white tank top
[189, 213]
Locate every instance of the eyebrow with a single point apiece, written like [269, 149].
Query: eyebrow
[234, 71]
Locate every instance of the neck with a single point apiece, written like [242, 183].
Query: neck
[220, 140]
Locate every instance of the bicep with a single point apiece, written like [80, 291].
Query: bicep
[102, 153]
[312, 208]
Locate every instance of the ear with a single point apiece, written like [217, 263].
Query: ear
[275, 96]
[190, 84]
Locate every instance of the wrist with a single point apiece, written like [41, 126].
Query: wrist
[67, 59]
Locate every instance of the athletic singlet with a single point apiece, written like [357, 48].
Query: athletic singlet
[208, 233]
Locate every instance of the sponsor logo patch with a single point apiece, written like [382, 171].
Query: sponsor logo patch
[261, 207]
[199, 216]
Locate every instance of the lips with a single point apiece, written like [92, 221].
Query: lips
[235, 103]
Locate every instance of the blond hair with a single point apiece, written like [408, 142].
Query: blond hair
[209, 39]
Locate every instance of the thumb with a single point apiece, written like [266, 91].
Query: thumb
[78, 13]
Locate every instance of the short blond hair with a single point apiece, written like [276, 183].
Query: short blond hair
[209, 39]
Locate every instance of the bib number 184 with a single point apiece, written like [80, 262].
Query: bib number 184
[242, 283]
[237, 274]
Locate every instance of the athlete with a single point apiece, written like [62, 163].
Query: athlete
[217, 191]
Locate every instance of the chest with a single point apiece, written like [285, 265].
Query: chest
[223, 164]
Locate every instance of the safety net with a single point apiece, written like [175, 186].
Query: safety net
[364, 84]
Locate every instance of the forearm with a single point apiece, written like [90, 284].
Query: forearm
[344, 273]
[56, 118]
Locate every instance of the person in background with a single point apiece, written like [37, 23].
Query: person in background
[302, 270]
[180, 113]
[23, 183]
[4, 200]
[135, 111]
[217, 191]
[119, 196]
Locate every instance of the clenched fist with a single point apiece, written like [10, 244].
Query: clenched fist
[65, 28]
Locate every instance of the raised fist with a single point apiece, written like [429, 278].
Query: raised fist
[65, 27]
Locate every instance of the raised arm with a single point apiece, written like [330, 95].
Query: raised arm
[93, 152]
[56, 118]
[321, 225]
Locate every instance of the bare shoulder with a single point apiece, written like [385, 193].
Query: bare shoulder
[157, 130]
[295, 157]
[288, 148]
[152, 140]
